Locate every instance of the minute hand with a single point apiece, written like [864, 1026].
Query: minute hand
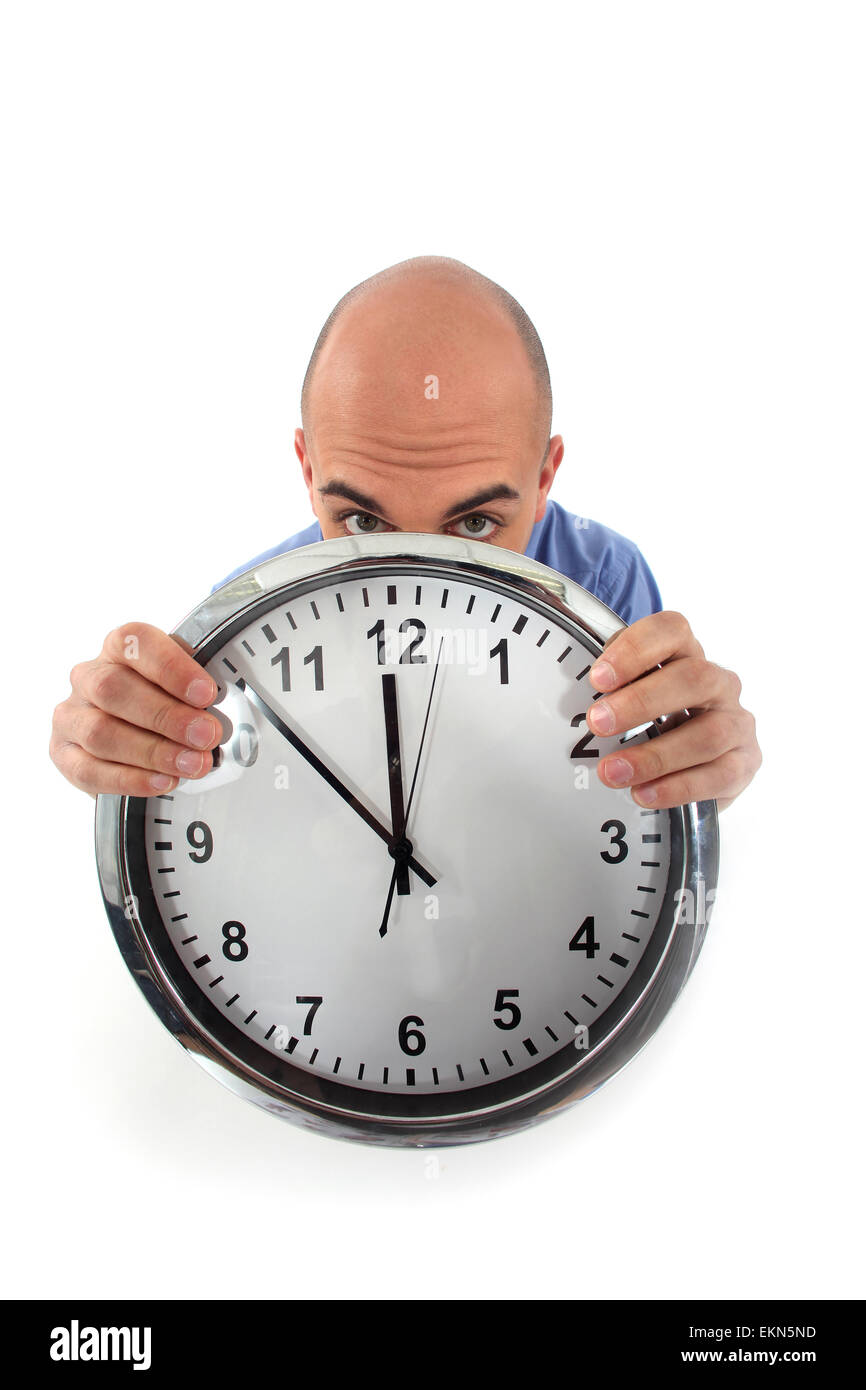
[330, 777]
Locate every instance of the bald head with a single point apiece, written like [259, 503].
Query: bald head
[416, 287]
[427, 387]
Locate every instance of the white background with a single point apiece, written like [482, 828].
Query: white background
[674, 192]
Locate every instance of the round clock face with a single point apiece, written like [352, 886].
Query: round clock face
[403, 904]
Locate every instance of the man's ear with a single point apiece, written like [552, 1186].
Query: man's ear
[306, 465]
[555, 451]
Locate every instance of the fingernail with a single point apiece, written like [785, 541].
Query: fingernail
[201, 692]
[200, 733]
[645, 795]
[189, 763]
[160, 782]
[601, 718]
[602, 675]
[618, 771]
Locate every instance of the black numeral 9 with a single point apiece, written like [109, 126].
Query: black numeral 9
[199, 836]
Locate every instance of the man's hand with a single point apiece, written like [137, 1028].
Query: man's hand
[712, 754]
[134, 723]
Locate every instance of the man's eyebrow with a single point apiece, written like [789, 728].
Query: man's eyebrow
[338, 489]
[497, 492]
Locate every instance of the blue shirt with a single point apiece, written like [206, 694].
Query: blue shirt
[595, 557]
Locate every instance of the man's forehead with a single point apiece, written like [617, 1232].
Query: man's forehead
[458, 460]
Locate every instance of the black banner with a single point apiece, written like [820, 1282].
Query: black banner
[83, 1337]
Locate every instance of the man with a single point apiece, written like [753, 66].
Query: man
[426, 407]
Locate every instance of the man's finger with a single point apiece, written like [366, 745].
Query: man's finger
[647, 643]
[703, 740]
[93, 775]
[689, 683]
[721, 780]
[114, 740]
[161, 660]
[123, 692]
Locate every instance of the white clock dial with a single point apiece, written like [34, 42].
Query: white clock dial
[532, 891]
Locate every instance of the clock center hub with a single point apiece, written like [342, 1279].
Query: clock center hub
[401, 850]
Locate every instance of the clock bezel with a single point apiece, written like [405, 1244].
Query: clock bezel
[374, 1115]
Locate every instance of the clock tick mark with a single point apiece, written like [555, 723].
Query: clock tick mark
[580, 675]
[340, 603]
[520, 624]
[548, 1029]
[605, 981]
[165, 871]
[391, 593]
[589, 1001]
[181, 917]
[163, 844]
[484, 1066]
[410, 1076]
[635, 913]
[233, 1000]
[269, 632]
[650, 864]
[292, 624]
[435, 1076]
[366, 597]
[337, 1065]
[618, 960]
[249, 1018]
[245, 643]
[530, 1046]
[471, 604]
[564, 654]
[444, 598]
[361, 1072]
[270, 1032]
[497, 610]
[216, 981]
[570, 1017]
[315, 610]
[291, 1045]
[417, 594]
[507, 1058]
[628, 936]
[165, 797]
[175, 893]
[644, 888]
[314, 1055]
[543, 638]
[233, 669]
[651, 839]
[385, 1076]
[460, 1071]
[188, 940]
[157, 821]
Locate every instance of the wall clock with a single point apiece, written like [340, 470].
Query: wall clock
[402, 908]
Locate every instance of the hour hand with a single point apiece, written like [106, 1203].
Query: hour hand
[395, 776]
[327, 773]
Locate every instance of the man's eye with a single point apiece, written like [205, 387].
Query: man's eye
[475, 527]
[362, 523]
